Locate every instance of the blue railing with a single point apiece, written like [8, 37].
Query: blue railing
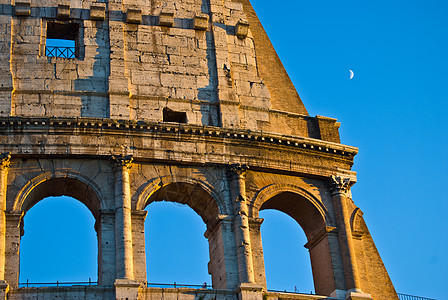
[410, 297]
[64, 52]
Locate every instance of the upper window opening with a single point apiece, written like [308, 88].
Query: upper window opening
[62, 40]
[174, 116]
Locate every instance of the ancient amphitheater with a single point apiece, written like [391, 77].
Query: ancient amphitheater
[176, 100]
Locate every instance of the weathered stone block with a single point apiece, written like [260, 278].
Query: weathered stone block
[63, 11]
[358, 296]
[134, 16]
[98, 11]
[200, 22]
[242, 29]
[166, 18]
[22, 8]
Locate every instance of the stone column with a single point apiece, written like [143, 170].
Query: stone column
[4, 167]
[339, 188]
[237, 174]
[123, 220]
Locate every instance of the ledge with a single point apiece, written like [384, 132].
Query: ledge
[21, 124]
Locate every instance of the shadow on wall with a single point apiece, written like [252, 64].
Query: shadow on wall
[210, 113]
[94, 99]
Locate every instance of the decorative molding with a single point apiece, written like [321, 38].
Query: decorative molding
[320, 236]
[355, 221]
[339, 185]
[122, 161]
[238, 169]
[5, 160]
[255, 222]
[213, 225]
[22, 124]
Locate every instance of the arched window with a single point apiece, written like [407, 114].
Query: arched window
[287, 261]
[176, 249]
[59, 242]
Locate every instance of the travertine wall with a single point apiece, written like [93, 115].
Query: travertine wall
[196, 57]
[190, 165]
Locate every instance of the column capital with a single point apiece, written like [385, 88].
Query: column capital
[238, 169]
[339, 185]
[5, 160]
[122, 161]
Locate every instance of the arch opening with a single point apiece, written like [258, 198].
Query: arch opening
[77, 194]
[303, 211]
[176, 249]
[64, 186]
[287, 261]
[192, 195]
[56, 245]
[183, 196]
[312, 221]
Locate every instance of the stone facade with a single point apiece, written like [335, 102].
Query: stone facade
[183, 101]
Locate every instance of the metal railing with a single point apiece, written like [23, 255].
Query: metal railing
[57, 283]
[179, 285]
[90, 282]
[64, 52]
[410, 297]
[296, 291]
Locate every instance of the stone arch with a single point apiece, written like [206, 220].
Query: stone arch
[316, 222]
[67, 183]
[209, 205]
[286, 198]
[197, 194]
[48, 184]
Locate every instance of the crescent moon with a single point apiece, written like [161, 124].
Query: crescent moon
[351, 74]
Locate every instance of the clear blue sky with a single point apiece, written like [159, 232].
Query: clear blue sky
[394, 110]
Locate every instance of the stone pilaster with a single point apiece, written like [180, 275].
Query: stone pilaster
[339, 188]
[257, 250]
[138, 244]
[106, 247]
[4, 167]
[4, 288]
[14, 232]
[123, 220]
[237, 174]
[250, 291]
[126, 289]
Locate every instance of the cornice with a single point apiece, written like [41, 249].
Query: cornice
[13, 125]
